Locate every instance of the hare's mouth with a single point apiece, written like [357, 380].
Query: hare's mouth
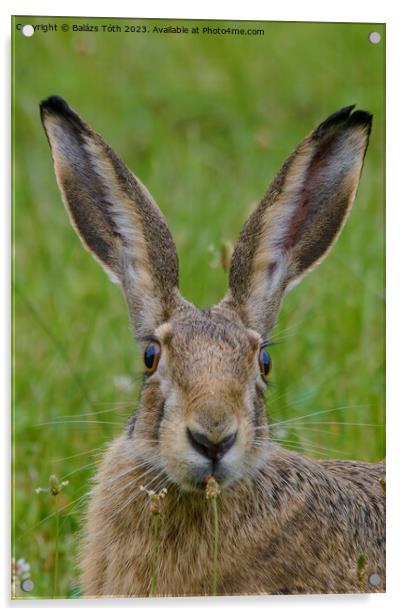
[191, 454]
[189, 485]
[195, 473]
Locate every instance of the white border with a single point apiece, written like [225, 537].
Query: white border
[308, 10]
[344, 10]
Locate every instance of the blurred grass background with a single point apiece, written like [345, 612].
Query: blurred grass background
[205, 122]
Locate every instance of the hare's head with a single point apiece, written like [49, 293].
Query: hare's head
[201, 408]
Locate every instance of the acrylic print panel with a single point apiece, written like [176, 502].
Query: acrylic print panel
[228, 447]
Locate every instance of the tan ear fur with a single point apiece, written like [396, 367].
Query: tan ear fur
[115, 217]
[299, 218]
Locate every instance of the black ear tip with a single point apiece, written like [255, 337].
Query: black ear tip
[341, 115]
[361, 117]
[333, 120]
[345, 117]
[55, 104]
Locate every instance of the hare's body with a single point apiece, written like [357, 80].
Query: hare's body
[287, 524]
[298, 527]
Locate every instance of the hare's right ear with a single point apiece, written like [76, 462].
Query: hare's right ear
[299, 218]
[115, 217]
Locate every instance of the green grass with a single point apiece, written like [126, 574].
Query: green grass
[205, 122]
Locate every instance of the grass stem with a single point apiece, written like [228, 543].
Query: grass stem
[156, 519]
[212, 493]
[155, 510]
[216, 531]
[56, 566]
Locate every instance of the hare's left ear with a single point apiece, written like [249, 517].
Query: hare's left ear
[299, 218]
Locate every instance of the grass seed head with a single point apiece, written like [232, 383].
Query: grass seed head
[54, 487]
[155, 499]
[212, 488]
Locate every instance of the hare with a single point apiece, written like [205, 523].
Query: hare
[288, 524]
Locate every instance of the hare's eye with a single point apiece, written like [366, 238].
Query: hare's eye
[264, 364]
[152, 356]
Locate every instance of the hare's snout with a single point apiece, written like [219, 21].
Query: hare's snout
[209, 448]
[211, 445]
[204, 454]
[209, 442]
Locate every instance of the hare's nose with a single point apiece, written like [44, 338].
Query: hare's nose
[209, 449]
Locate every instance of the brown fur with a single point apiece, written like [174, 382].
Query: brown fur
[298, 526]
[299, 218]
[288, 524]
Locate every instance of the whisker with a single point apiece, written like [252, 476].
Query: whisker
[135, 480]
[80, 500]
[297, 446]
[51, 515]
[140, 463]
[79, 421]
[290, 328]
[77, 470]
[113, 409]
[77, 455]
[114, 403]
[315, 430]
[319, 431]
[136, 494]
[315, 413]
[304, 444]
[164, 483]
[342, 423]
[294, 401]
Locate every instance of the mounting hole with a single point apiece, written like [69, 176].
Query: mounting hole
[374, 38]
[374, 579]
[27, 585]
[27, 30]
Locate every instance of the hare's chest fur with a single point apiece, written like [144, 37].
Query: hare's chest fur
[275, 538]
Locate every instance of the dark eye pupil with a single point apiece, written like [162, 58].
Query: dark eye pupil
[265, 362]
[150, 356]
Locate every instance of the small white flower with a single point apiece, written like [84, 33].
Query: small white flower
[20, 571]
[280, 432]
[23, 566]
[150, 493]
[123, 382]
